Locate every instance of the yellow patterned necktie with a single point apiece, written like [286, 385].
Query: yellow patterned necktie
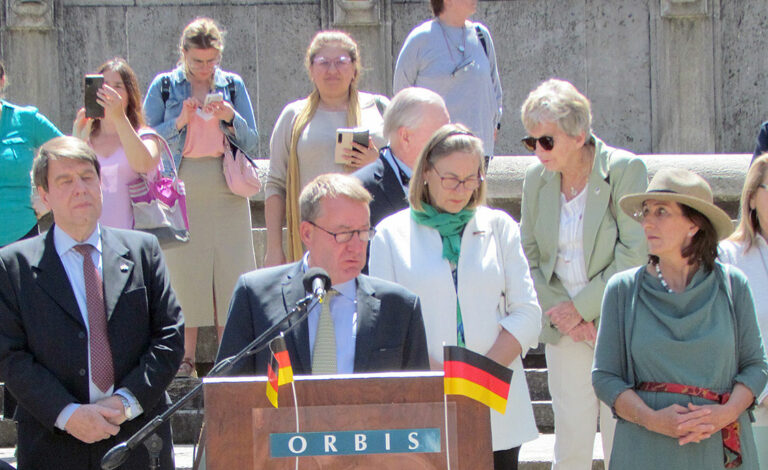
[324, 353]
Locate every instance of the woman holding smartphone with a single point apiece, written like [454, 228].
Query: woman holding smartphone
[120, 140]
[181, 105]
[304, 138]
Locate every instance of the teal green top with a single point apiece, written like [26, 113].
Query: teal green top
[692, 338]
[22, 130]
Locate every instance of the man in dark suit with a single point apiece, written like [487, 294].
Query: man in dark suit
[413, 115]
[90, 331]
[372, 325]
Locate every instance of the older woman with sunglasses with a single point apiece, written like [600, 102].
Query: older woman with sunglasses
[466, 263]
[575, 237]
[304, 138]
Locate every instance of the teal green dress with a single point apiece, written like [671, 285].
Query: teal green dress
[691, 338]
[22, 130]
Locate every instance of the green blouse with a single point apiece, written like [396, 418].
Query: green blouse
[22, 131]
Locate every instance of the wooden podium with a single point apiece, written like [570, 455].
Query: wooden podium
[242, 424]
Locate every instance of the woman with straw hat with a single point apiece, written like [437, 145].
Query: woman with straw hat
[679, 356]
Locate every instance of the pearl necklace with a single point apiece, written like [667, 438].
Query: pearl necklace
[661, 279]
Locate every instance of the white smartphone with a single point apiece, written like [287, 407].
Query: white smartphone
[212, 97]
[344, 139]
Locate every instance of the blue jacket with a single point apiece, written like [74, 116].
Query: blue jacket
[162, 116]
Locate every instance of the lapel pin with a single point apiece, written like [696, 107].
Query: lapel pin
[597, 190]
[124, 268]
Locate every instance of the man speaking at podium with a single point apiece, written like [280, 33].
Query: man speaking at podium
[364, 325]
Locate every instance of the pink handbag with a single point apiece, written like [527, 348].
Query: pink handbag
[240, 171]
[159, 200]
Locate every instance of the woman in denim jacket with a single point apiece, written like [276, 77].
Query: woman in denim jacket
[198, 129]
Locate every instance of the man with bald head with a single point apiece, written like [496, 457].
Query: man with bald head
[413, 115]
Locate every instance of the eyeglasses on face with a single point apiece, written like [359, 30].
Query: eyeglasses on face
[344, 237]
[763, 185]
[547, 142]
[451, 183]
[325, 63]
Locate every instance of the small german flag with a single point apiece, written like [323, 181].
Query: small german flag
[279, 370]
[475, 376]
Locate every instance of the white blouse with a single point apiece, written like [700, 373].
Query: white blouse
[571, 267]
[754, 263]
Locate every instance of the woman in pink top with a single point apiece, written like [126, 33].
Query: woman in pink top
[122, 153]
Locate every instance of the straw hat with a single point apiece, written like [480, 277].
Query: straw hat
[684, 187]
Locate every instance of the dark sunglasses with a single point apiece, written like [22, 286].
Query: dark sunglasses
[546, 142]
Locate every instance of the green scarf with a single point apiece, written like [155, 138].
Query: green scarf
[450, 226]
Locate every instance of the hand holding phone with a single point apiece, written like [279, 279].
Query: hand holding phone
[344, 139]
[90, 91]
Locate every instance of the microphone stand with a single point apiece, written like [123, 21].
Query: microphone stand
[117, 455]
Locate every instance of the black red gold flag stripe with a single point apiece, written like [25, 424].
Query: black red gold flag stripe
[475, 376]
[279, 369]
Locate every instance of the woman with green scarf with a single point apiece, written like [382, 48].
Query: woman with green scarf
[466, 263]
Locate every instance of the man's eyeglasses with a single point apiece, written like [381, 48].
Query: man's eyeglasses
[325, 64]
[452, 183]
[547, 143]
[344, 237]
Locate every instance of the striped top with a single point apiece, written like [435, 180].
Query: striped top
[571, 267]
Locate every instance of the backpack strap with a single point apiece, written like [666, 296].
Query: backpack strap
[165, 88]
[231, 89]
[481, 38]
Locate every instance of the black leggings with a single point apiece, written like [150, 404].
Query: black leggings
[506, 459]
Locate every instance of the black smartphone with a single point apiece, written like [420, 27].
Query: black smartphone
[92, 85]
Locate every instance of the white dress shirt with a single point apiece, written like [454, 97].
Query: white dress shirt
[73, 265]
[570, 266]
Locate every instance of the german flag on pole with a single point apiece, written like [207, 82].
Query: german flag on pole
[477, 377]
[279, 370]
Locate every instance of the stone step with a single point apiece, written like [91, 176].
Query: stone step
[534, 455]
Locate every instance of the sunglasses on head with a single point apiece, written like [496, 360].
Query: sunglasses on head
[546, 142]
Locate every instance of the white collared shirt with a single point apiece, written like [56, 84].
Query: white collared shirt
[344, 314]
[73, 266]
[570, 266]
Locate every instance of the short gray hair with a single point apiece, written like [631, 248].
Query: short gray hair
[560, 102]
[406, 109]
[65, 147]
[330, 185]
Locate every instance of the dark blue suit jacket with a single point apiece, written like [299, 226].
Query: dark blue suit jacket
[381, 181]
[44, 344]
[761, 144]
[390, 330]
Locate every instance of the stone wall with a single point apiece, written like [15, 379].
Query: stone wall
[664, 76]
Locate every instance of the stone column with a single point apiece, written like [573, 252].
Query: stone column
[29, 49]
[683, 89]
[370, 23]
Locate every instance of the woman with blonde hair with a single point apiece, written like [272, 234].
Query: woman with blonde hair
[747, 249]
[201, 109]
[304, 138]
[466, 263]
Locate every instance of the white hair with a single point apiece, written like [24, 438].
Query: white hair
[407, 109]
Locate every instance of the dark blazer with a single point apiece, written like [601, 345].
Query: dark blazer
[381, 181]
[390, 330]
[44, 343]
[761, 143]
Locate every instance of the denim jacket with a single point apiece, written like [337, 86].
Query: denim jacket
[162, 116]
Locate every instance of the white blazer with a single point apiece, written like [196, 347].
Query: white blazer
[495, 290]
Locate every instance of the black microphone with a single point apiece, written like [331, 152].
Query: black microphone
[317, 281]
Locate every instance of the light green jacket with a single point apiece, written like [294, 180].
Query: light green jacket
[612, 240]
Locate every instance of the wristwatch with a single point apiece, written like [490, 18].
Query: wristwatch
[127, 405]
